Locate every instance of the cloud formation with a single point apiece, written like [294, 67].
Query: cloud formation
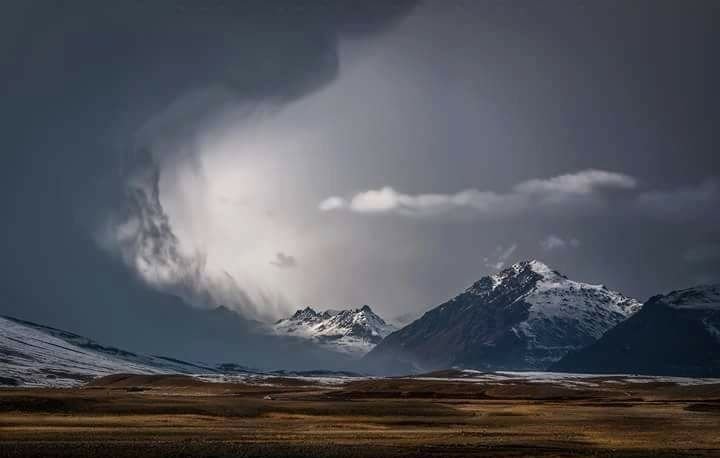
[554, 190]
[580, 183]
[502, 254]
[554, 242]
[284, 261]
[332, 203]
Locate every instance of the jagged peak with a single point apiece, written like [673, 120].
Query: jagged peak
[353, 330]
[526, 267]
[537, 284]
[536, 266]
[303, 312]
[309, 312]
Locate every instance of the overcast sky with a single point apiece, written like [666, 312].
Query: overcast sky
[388, 154]
[469, 136]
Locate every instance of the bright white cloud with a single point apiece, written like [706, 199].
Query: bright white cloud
[523, 195]
[388, 200]
[581, 183]
[332, 203]
[382, 200]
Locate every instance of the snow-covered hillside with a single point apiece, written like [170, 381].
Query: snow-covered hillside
[705, 297]
[352, 331]
[36, 355]
[560, 307]
[524, 317]
[675, 334]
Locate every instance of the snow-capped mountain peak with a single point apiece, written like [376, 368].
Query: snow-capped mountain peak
[520, 273]
[549, 292]
[354, 331]
[524, 317]
[307, 315]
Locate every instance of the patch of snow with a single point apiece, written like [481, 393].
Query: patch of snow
[705, 297]
[353, 331]
[569, 379]
[564, 314]
[546, 311]
[592, 308]
[35, 355]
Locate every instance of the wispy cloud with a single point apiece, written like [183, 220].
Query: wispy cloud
[284, 261]
[581, 183]
[332, 203]
[554, 242]
[501, 256]
[554, 190]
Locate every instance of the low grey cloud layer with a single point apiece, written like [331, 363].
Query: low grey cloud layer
[478, 133]
[535, 192]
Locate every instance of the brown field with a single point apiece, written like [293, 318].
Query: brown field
[139, 416]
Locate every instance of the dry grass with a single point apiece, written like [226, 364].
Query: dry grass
[160, 416]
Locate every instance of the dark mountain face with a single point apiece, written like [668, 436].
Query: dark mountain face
[675, 334]
[525, 317]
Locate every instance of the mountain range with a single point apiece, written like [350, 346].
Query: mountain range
[673, 334]
[525, 317]
[352, 331]
[32, 354]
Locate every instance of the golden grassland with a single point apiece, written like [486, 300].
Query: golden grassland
[138, 416]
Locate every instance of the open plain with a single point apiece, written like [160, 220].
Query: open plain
[442, 414]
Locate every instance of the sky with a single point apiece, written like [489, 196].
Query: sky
[270, 156]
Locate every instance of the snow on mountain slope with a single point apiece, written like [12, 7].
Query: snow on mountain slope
[706, 297]
[36, 355]
[524, 317]
[673, 334]
[557, 301]
[352, 331]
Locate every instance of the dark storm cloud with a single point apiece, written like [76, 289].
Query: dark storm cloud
[509, 92]
[81, 81]
[473, 107]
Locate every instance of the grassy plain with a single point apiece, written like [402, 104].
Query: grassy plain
[142, 416]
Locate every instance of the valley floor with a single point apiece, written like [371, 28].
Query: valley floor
[438, 415]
